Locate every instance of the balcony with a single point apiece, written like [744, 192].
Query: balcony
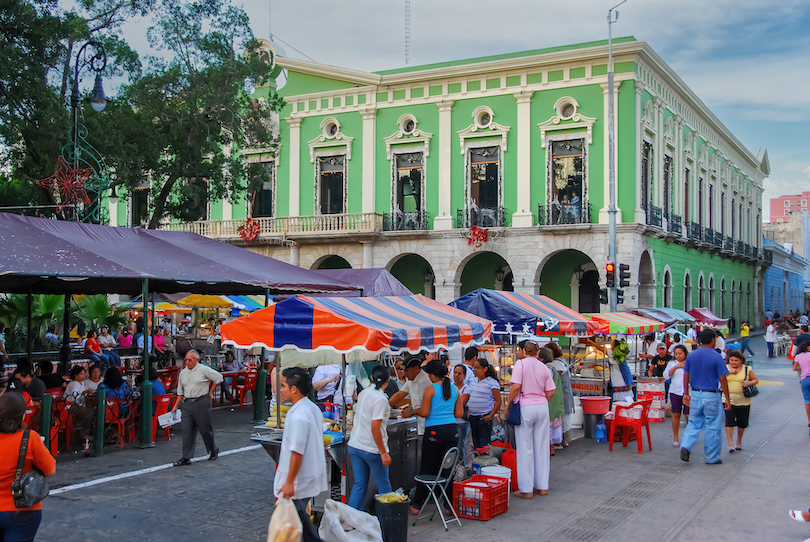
[654, 216]
[728, 246]
[747, 250]
[754, 253]
[767, 255]
[694, 232]
[674, 224]
[708, 236]
[740, 248]
[288, 226]
[400, 221]
[493, 217]
[718, 239]
[563, 213]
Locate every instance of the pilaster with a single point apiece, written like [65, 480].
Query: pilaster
[444, 219]
[295, 165]
[369, 116]
[523, 218]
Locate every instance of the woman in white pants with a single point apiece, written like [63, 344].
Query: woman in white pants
[533, 385]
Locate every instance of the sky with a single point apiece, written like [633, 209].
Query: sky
[747, 60]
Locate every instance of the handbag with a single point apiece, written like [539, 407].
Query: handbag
[514, 417]
[30, 487]
[749, 391]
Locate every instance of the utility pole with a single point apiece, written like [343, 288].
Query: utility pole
[407, 31]
[613, 246]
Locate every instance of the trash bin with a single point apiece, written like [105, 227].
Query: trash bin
[393, 518]
[590, 421]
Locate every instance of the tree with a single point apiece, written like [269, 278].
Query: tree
[182, 123]
[46, 310]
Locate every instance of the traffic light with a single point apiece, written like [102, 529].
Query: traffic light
[624, 275]
[610, 281]
[619, 296]
[603, 296]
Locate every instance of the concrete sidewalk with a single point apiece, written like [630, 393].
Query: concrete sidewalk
[595, 495]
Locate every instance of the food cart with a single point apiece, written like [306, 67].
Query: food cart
[310, 331]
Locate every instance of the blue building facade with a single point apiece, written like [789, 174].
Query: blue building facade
[784, 279]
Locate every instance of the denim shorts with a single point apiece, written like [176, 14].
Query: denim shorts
[806, 389]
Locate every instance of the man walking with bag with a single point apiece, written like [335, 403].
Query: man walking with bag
[196, 386]
[301, 472]
[705, 372]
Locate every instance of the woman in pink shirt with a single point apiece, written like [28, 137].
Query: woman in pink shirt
[533, 385]
[802, 364]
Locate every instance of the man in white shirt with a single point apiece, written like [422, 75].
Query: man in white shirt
[770, 337]
[301, 472]
[418, 380]
[470, 355]
[691, 334]
[326, 381]
[196, 386]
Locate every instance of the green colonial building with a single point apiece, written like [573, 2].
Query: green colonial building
[493, 172]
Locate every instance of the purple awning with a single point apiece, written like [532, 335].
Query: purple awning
[375, 282]
[51, 256]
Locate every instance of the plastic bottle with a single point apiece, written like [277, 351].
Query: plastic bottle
[600, 432]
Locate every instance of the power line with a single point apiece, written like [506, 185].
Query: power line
[407, 31]
[293, 48]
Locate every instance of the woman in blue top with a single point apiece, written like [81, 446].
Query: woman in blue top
[483, 399]
[439, 405]
[117, 388]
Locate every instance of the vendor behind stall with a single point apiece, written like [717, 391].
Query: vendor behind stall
[418, 380]
[327, 383]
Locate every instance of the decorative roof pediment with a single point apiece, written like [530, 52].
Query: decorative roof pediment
[414, 138]
[331, 136]
[493, 129]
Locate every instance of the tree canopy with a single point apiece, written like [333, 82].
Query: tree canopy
[176, 125]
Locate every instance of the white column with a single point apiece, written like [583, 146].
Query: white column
[369, 186]
[574, 285]
[227, 209]
[603, 212]
[523, 217]
[444, 219]
[368, 255]
[638, 213]
[113, 208]
[295, 165]
[659, 151]
[295, 256]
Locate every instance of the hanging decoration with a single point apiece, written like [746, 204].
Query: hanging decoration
[249, 230]
[67, 185]
[477, 236]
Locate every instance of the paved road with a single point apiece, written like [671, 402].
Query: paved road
[595, 495]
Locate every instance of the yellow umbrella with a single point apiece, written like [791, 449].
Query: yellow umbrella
[204, 301]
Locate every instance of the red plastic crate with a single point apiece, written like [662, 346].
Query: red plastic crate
[481, 503]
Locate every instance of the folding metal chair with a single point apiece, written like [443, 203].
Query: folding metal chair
[434, 482]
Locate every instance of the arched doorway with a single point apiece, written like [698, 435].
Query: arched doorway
[485, 270]
[701, 292]
[332, 262]
[571, 278]
[711, 294]
[667, 289]
[646, 282]
[415, 273]
[687, 292]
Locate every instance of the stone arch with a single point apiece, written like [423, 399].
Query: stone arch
[415, 272]
[646, 281]
[331, 261]
[489, 271]
[666, 292]
[687, 289]
[711, 293]
[701, 290]
[571, 277]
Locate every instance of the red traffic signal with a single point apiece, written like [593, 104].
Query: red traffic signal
[609, 276]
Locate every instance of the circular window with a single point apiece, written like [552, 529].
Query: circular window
[485, 119]
[332, 129]
[409, 126]
[567, 111]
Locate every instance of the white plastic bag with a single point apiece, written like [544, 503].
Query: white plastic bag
[342, 523]
[285, 525]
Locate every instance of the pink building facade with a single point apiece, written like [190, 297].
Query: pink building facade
[784, 206]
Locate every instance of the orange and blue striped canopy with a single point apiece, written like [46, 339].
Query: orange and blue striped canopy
[346, 324]
[625, 323]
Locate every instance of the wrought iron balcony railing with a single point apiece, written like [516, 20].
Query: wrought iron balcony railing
[563, 213]
[401, 221]
[729, 245]
[694, 232]
[483, 217]
[718, 239]
[674, 224]
[708, 236]
[740, 249]
[654, 216]
[767, 255]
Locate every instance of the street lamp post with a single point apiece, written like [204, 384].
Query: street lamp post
[98, 100]
[613, 246]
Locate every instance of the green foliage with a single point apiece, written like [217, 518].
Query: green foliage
[46, 310]
[95, 311]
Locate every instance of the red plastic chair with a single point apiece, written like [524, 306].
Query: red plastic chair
[627, 423]
[112, 416]
[249, 385]
[164, 405]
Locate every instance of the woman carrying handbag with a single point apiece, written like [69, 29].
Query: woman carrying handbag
[739, 377]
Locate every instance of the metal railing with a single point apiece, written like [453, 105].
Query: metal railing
[295, 226]
[718, 239]
[747, 250]
[492, 217]
[740, 249]
[754, 253]
[708, 236]
[654, 216]
[402, 221]
[729, 245]
[674, 224]
[694, 231]
[767, 255]
[563, 213]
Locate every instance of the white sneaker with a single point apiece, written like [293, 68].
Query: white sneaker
[676, 444]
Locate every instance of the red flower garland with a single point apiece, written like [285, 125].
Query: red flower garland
[249, 230]
[477, 236]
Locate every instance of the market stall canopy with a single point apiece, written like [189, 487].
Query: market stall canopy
[345, 324]
[247, 303]
[512, 312]
[623, 323]
[664, 314]
[203, 301]
[51, 256]
[375, 282]
[704, 315]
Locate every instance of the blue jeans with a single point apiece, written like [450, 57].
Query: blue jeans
[463, 429]
[19, 526]
[745, 346]
[706, 411]
[362, 463]
[113, 356]
[770, 350]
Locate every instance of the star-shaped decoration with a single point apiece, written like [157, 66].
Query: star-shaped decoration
[526, 329]
[66, 185]
[509, 327]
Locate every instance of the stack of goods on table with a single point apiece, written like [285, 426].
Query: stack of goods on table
[331, 429]
[654, 391]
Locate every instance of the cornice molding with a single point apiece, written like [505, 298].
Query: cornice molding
[325, 70]
[577, 121]
[473, 131]
[401, 138]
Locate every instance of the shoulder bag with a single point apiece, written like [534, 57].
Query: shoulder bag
[749, 391]
[30, 487]
[514, 417]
